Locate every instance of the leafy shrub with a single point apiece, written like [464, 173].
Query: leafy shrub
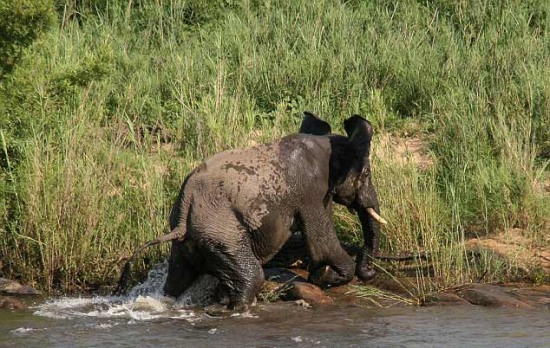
[21, 21]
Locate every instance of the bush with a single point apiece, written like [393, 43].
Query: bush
[21, 21]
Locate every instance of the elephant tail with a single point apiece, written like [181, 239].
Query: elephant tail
[177, 233]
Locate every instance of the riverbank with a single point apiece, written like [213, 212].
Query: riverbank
[387, 292]
[290, 285]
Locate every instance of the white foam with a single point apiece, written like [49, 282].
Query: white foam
[184, 314]
[246, 314]
[23, 330]
[140, 308]
[142, 315]
[70, 307]
[104, 326]
[300, 339]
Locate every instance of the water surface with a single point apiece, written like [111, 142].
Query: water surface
[145, 318]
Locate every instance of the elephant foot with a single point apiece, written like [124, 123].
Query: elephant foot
[325, 277]
[365, 273]
[364, 269]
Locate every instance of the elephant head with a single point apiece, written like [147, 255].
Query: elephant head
[350, 182]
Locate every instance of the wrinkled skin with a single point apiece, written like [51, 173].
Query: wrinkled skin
[237, 209]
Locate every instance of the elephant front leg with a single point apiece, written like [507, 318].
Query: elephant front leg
[324, 250]
[364, 269]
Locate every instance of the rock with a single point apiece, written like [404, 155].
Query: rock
[310, 293]
[536, 296]
[11, 287]
[8, 302]
[446, 299]
[292, 285]
[491, 296]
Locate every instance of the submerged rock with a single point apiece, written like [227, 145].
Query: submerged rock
[8, 302]
[11, 287]
[446, 299]
[493, 296]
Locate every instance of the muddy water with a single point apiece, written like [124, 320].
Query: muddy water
[146, 319]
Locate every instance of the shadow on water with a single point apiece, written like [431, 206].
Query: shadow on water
[145, 318]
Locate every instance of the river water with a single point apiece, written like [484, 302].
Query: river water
[146, 319]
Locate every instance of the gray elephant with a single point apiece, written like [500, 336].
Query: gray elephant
[237, 209]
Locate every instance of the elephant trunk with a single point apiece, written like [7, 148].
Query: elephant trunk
[370, 219]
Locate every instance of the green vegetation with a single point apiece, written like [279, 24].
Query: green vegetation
[106, 105]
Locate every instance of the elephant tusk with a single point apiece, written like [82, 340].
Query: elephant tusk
[375, 216]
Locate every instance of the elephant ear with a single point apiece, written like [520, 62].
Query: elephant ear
[359, 132]
[311, 124]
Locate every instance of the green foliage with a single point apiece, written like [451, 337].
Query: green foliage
[106, 113]
[21, 21]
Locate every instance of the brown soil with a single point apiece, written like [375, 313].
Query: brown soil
[515, 248]
[404, 151]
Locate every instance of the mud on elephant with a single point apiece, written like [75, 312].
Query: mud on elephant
[237, 209]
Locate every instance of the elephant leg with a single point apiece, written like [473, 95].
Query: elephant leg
[241, 276]
[324, 249]
[246, 285]
[225, 251]
[180, 271]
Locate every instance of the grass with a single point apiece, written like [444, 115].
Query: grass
[382, 298]
[108, 109]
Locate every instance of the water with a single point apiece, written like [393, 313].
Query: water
[145, 318]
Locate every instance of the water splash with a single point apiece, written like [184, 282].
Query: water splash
[145, 301]
[202, 292]
[154, 283]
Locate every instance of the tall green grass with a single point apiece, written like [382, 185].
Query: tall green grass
[108, 110]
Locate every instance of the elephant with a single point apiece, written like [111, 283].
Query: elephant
[236, 210]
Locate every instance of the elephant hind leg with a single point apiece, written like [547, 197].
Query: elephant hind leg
[225, 251]
[248, 284]
[181, 272]
[241, 276]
